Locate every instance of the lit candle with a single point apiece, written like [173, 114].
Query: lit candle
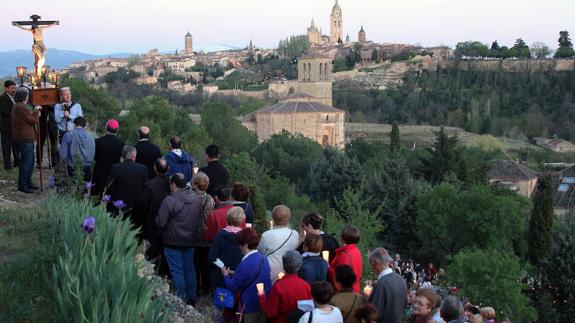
[281, 275]
[367, 290]
[248, 225]
[260, 287]
[272, 224]
[325, 255]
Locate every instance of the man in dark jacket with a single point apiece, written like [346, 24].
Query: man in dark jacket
[155, 191]
[217, 173]
[6, 104]
[390, 290]
[179, 160]
[108, 152]
[177, 218]
[126, 182]
[148, 153]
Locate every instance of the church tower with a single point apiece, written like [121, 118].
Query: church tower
[314, 77]
[313, 34]
[336, 34]
[361, 35]
[189, 49]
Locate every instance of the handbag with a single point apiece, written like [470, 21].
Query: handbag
[224, 298]
[236, 312]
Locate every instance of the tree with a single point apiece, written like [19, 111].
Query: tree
[565, 49]
[375, 55]
[520, 49]
[444, 158]
[557, 279]
[227, 132]
[330, 176]
[494, 50]
[541, 222]
[394, 138]
[289, 155]
[293, 46]
[540, 50]
[472, 49]
[450, 220]
[492, 277]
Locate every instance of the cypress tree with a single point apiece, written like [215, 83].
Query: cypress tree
[541, 222]
[394, 146]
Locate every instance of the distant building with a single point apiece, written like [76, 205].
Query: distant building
[514, 176]
[181, 65]
[189, 43]
[361, 35]
[306, 110]
[336, 24]
[564, 182]
[314, 36]
[556, 145]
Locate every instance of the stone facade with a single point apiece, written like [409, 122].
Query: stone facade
[336, 26]
[314, 36]
[189, 44]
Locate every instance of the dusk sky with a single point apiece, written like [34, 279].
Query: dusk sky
[136, 26]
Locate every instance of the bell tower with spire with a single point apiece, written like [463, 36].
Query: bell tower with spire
[189, 49]
[336, 31]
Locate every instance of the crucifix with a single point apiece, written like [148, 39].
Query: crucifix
[38, 48]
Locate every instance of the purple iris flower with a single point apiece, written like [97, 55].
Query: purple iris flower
[51, 182]
[89, 224]
[119, 204]
[88, 185]
[106, 198]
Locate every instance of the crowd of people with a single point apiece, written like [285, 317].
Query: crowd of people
[200, 230]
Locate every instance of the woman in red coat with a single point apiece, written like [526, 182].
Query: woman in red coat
[349, 255]
[287, 291]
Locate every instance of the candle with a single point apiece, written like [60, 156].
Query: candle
[260, 287]
[281, 275]
[325, 255]
[272, 224]
[367, 290]
[248, 225]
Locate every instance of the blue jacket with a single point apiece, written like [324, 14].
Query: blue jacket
[244, 274]
[78, 143]
[180, 164]
[313, 268]
[225, 247]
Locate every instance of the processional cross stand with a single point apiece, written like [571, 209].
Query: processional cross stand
[39, 96]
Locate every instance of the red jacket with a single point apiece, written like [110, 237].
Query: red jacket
[283, 298]
[217, 221]
[347, 255]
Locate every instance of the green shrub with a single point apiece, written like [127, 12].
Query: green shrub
[96, 275]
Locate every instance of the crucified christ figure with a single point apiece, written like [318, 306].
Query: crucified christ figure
[38, 48]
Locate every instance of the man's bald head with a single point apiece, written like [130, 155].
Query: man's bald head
[144, 132]
[161, 166]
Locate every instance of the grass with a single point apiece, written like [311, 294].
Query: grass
[26, 258]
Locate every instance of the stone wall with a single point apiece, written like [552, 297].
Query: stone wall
[309, 124]
[320, 92]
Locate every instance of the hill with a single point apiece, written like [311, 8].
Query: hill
[56, 58]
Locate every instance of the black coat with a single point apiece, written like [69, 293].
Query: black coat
[108, 152]
[155, 191]
[126, 183]
[6, 105]
[218, 175]
[147, 155]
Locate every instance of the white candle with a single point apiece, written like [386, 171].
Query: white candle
[260, 287]
[325, 255]
[272, 224]
[248, 225]
[367, 290]
[281, 275]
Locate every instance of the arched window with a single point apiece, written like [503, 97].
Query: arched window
[327, 118]
[320, 70]
[309, 71]
[325, 71]
[304, 71]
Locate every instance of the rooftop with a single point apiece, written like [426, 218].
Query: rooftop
[294, 107]
[510, 170]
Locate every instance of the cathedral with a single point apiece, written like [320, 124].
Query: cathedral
[315, 36]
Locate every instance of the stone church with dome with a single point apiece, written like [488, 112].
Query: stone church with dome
[305, 109]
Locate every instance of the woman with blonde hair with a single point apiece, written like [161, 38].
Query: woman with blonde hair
[200, 183]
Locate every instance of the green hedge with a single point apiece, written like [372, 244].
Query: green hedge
[96, 275]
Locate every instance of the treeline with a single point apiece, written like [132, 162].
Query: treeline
[517, 105]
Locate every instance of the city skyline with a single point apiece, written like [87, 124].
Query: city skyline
[108, 26]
